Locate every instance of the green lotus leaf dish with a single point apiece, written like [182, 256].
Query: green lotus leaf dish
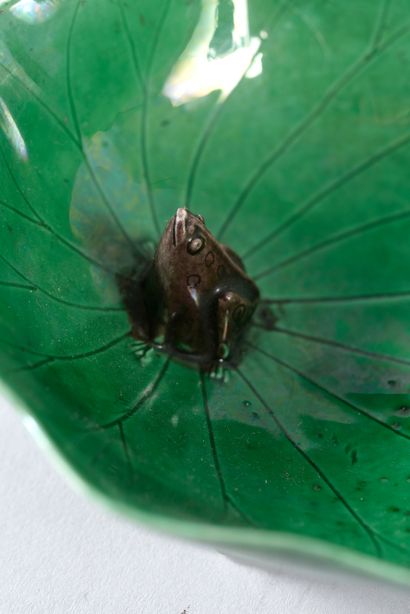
[286, 124]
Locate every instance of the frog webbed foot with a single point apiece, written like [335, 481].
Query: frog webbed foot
[140, 349]
[219, 372]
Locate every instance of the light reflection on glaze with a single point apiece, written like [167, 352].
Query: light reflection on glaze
[10, 129]
[32, 11]
[201, 70]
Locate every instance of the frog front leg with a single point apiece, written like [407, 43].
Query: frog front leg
[227, 304]
[222, 352]
[234, 310]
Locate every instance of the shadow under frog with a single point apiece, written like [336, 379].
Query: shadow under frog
[195, 299]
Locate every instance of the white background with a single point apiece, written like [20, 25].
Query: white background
[63, 554]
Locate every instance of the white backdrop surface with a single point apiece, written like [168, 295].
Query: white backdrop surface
[63, 554]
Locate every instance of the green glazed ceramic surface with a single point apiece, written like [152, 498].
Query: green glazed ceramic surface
[287, 125]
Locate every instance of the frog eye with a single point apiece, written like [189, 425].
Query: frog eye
[239, 313]
[201, 218]
[195, 245]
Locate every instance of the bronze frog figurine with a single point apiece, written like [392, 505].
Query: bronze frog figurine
[195, 299]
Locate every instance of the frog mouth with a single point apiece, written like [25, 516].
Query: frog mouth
[179, 230]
